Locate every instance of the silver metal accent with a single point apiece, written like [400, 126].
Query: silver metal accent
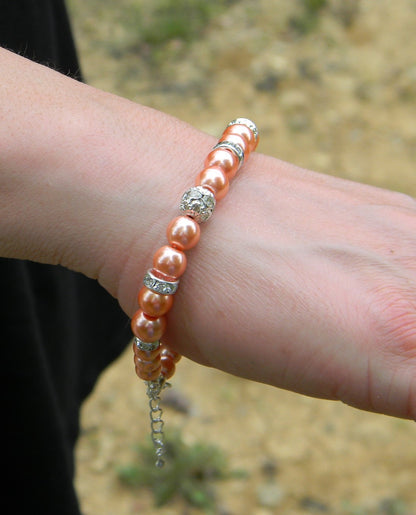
[154, 388]
[147, 346]
[159, 285]
[198, 202]
[248, 123]
[234, 147]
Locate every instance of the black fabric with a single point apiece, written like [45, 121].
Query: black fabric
[59, 329]
[39, 30]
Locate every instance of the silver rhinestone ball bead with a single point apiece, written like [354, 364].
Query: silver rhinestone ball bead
[198, 203]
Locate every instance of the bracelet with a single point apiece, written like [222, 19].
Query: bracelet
[154, 360]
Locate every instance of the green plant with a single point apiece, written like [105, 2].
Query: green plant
[308, 17]
[189, 472]
[171, 20]
[346, 12]
[393, 506]
[313, 6]
[389, 506]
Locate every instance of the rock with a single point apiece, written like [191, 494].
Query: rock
[313, 505]
[177, 401]
[269, 494]
[406, 85]
[293, 100]
[269, 82]
[269, 468]
[299, 122]
[269, 72]
[294, 103]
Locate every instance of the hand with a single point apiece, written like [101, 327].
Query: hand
[307, 282]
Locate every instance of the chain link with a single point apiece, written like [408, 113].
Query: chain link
[154, 388]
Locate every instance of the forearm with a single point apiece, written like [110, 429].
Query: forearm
[82, 172]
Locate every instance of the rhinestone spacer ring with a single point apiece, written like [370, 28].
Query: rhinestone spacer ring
[146, 346]
[158, 285]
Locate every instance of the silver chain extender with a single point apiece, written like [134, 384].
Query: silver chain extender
[154, 388]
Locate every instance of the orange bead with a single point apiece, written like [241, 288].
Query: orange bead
[173, 355]
[237, 140]
[149, 376]
[169, 261]
[146, 328]
[146, 355]
[154, 304]
[215, 180]
[183, 233]
[147, 366]
[167, 367]
[243, 131]
[224, 159]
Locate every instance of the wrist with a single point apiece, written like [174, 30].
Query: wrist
[87, 178]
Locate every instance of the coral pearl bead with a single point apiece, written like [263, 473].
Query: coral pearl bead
[154, 304]
[167, 367]
[146, 328]
[146, 355]
[243, 131]
[224, 159]
[148, 375]
[147, 365]
[183, 233]
[215, 180]
[169, 261]
[237, 140]
[173, 355]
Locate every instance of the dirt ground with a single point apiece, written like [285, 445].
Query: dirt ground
[338, 97]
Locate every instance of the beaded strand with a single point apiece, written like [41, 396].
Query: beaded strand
[155, 361]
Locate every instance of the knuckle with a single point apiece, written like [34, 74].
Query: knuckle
[396, 342]
[396, 323]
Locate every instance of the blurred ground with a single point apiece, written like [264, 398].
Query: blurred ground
[338, 95]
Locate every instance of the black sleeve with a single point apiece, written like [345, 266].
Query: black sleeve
[59, 329]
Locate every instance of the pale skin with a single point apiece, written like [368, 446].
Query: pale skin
[300, 280]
